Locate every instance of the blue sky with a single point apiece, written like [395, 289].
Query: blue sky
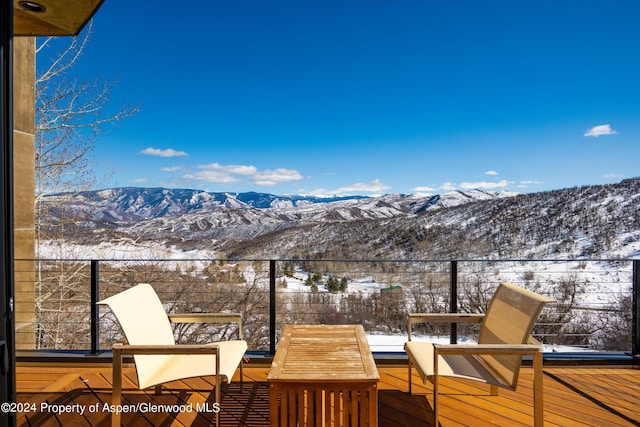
[369, 97]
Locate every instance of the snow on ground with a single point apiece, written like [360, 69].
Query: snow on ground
[378, 342]
[122, 250]
[598, 283]
[298, 283]
[127, 251]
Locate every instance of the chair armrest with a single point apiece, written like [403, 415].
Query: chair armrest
[437, 318]
[164, 349]
[488, 349]
[208, 318]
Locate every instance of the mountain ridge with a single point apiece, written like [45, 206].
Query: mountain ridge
[581, 222]
[134, 204]
[588, 221]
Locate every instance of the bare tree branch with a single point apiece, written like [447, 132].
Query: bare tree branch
[71, 114]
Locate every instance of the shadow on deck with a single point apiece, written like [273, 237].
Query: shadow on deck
[80, 396]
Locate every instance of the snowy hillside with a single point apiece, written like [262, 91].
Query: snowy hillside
[585, 222]
[593, 221]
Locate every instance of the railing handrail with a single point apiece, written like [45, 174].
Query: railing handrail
[453, 293]
[346, 260]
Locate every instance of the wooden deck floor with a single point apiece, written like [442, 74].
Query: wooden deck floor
[573, 396]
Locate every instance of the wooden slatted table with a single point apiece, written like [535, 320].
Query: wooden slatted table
[323, 375]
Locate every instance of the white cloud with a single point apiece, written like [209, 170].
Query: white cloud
[424, 189]
[215, 177]
[231, 169]
[269, 178]
[169, 152]
[528, 182]
[614, 176]
[375, 186]
[225, 174]
[140, 180]
[171, 169]
[491, 173]
[484, 185]
[600, 130]
[448, 186]
[477, 185]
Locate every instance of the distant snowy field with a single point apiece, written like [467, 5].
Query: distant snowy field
[364, 286]
[123, 250]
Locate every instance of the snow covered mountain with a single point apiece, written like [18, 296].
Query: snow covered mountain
[133, 204]
[593, 221]
[192, 209]
[586, 222]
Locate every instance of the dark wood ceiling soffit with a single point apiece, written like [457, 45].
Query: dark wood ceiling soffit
[52, 17]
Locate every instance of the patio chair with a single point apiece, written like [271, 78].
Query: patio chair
[503, 340]
[157, 357]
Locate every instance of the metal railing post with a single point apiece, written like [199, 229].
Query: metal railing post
[95, 292]
[272, 307]
[453, 300]
[635, 333]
